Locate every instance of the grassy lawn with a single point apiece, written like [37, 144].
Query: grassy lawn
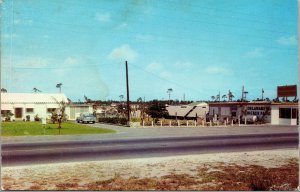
[36, 128]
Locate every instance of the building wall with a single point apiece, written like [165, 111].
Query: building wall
[74, 111]
[287, 121]
[274, 115]
[40, 109]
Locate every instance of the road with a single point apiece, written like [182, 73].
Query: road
[145, 142]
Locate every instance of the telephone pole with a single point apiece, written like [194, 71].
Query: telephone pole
[127, 88]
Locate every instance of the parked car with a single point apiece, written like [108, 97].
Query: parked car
[86, 118]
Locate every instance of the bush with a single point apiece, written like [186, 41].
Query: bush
[113, 120]
[27, 117]
[36, 118]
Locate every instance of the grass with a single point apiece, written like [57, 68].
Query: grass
[36, 128]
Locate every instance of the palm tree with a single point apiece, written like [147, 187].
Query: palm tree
[230, 96]
[213, 98]
[3, 90]
[59, 86]
[139, 99]
[36, 90]
[121, 97]
[224, 97]
[169, 92]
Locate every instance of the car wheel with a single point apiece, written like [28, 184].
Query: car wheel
[93, 122]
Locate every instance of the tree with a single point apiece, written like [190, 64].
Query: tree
[36, 90]
[142, 107]
[121, 97]
[230, 96]
[59, 86]
[224, 97]
[218, 97]
[169, 92]
[61, 115]
[213, 98]
[87, 99]
[3, 90]
[157, 110]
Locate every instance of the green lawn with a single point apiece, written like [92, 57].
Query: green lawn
[36, 128]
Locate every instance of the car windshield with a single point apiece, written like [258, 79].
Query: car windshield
[88, 116]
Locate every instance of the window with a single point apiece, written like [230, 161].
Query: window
[29, 110]
[50, 110]
[285, 113]
[294, 113]
[4, 112]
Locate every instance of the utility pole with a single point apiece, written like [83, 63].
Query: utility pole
[127, 88]
[184, 97]
[262, 94]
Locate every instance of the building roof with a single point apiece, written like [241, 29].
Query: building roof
[33, 98]
[258, 103]
[198, 104]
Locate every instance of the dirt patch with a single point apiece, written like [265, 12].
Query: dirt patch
[260, 170]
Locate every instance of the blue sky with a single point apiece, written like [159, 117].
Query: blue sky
[197, 48]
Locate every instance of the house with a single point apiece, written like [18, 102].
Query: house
[190, 111]
[23, 105]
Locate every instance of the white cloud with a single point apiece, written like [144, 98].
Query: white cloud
[123, 25]
[183, 65]
[70, 61]
[103, 17]
[22, 21]
[217, 70]
[255, 53]
[292, 40]
[144, 38]
[165, 74]
[159, 70]
[124, 52]
[154, 67]
[34, 62]
[8, 36]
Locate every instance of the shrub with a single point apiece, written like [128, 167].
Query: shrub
[36, 118]
[27, 117]
[113, 120]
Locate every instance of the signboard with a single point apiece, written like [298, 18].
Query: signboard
[287, 91]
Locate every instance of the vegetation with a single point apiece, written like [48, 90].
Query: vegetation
[113, 120]
[7, 115]
[220, 178]
[157, 110]
[36, 128]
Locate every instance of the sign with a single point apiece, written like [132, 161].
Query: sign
[287, 91]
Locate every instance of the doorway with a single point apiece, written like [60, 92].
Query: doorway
[18, 112]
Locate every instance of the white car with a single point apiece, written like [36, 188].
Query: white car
[86, 118]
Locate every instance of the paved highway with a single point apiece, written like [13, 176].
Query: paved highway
[23, 153]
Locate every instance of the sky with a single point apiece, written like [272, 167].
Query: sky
[197, 48]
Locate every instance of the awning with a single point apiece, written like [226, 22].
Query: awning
[6, 107]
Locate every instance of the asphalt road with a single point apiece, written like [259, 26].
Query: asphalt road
[146, 142]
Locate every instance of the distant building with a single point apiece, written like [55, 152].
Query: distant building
[190, 111]
[40, 104]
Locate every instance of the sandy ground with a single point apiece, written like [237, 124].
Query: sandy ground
[48, 176]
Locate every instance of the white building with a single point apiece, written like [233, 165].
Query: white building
[270, 112]
[40, 104]
[189, 111]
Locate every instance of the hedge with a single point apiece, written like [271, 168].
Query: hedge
[113, 120]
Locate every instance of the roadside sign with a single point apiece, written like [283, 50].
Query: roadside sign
[287, 91]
